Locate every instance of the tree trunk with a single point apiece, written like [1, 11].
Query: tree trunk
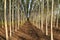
[42, 11]
[2, 23]
[52, 21]
[10, 16]
[47, 17]
[57, 15]
[5, 19]
[39, 17]
[57, 21]
[13, 15]
[18, 15]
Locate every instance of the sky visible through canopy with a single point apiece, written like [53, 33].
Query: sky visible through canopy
[27, 7]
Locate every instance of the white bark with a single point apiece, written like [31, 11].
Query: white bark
[10, 16]
[47, 17]
[15, 18]
[21, 18]
[52, 21]
[57, 15]
[18, 16]
[42, 11]
[5, 19]
[39, 17]
[13, 15]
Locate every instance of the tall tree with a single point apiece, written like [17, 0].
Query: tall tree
[13, 15]
[42, 11]
[52, 20]
[5, 19]
[10, 16]
[57, 15]
[47, 17]
[18, 15]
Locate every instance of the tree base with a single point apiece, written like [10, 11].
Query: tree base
[27, 19]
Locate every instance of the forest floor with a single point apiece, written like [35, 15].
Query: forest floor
[30, 32]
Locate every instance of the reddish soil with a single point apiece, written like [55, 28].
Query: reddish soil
[30, 32]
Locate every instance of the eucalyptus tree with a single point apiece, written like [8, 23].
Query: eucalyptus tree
[42, 11]
[10, 17]
[56, 12]
[38, 8]
[5, 20]
[52, 20]
[39, 13]
[57, 15]
[47, 17]
[18, 15]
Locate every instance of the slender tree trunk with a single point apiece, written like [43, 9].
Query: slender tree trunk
[18, 16]
[42, 11]
[2, 23]
[35, 18]
[47, 17]
[39, 17]
[13, 15]
[57, 16]
[57, 21]
[52, 21]
[10, 16]
[5, 19]
[21, 17]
